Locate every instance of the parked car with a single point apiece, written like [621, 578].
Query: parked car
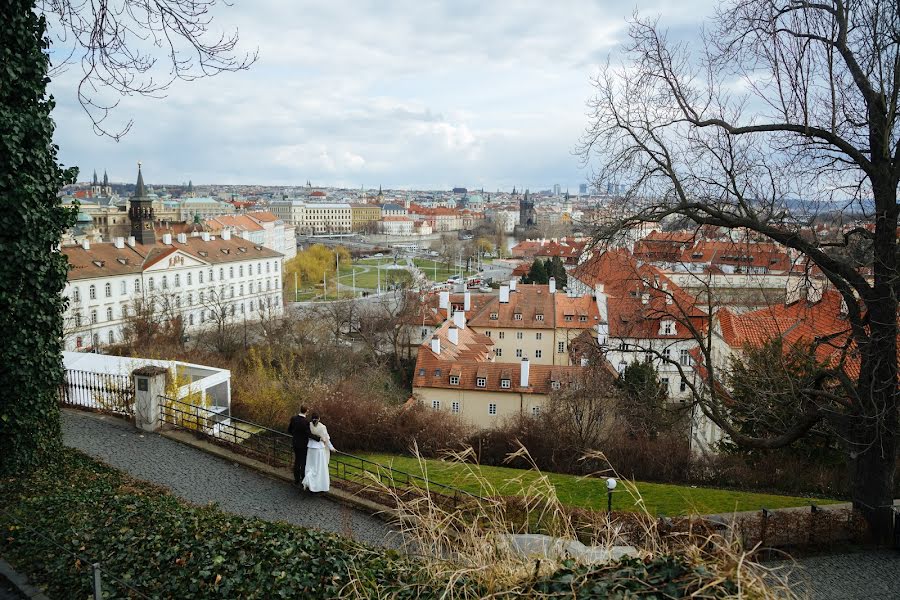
[379, 255]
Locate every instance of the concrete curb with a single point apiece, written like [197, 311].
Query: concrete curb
[20, 582]
[380, 511]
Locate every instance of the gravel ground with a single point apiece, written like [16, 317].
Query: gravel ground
[201, 478]
[864, 575]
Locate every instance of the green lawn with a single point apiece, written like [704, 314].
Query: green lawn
[659, 498]
[428, 268]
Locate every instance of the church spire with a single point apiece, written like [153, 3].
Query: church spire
[94, 182]
[139, 190]
[105, 179]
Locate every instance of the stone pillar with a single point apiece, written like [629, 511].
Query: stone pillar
[149, 385]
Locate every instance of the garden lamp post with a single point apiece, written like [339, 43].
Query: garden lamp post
[610, 486]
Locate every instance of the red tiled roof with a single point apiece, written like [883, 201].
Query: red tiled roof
[432, 372]
[537, 309]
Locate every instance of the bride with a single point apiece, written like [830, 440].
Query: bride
[317, 456]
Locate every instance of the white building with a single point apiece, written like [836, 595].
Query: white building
[203, 279]
[314, 217]
[263, 228]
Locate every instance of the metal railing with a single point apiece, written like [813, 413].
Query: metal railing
[99, 391]
[275, 448]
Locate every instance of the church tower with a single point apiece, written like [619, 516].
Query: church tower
[95, 186]
[140, 212]
[107, 190]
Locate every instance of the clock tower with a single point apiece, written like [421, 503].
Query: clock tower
[140, 212]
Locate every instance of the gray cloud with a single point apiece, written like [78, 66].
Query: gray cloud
[421, 94]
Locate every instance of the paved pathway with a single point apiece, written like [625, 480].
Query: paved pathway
[866, 575]
[201, 478]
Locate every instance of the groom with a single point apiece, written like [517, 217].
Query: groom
[299, 429]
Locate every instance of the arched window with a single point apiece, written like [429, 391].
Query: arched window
[165, 282]
[191, 319]
[123, 288]
[79, 342]
[177, 301]
[109, 313]
[96, 340]
[108, 289]
[200, 276]
[177, 280]
[94, 316]
[76, 295]
[190, 278]
[110, 337]
[137, 286]
[92, 292]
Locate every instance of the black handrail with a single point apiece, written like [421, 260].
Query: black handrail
[211, 423]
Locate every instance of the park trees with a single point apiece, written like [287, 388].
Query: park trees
[788, 100]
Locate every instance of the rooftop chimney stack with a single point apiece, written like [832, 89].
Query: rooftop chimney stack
[86, 244]
[523, 379]
[226, 234]
[167, 239]
[444, 300]
[132, 241]
[436, 345]
[601, 303]
[512, 285]
[182, 238]
[245, 235]
[645, 298]
[120, 242]
[453, 335]
[459, 319]
[205, 236]
[504, 294]
[553, 285]
[467, 301]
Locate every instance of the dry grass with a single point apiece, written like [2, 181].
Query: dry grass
[466, 553]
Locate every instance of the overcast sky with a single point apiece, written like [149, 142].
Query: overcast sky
[419, 94]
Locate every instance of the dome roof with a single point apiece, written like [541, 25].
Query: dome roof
[83, 217]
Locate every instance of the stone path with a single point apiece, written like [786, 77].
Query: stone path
[865, 575]
[200, 478]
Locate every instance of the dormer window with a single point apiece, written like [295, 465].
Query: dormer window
[569, 317]
[667, 328]
[437, 372]
[481, 382]
[554, 385]
[242, 249]
[454, 380]
[539, 316]
[203, 253]
[504, 383]
[99, 263]
[582, 318]
[494, 316]
[517, 316]
[226, 250]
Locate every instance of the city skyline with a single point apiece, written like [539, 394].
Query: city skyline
[407, 96]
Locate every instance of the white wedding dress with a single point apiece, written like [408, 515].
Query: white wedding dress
[317, 456]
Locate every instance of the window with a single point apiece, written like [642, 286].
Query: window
[241, 290]
[96, 340]
[481, 382]
[92, 292]
[502, 335]
[231, 272]
[569, 317]
[648, 357]
[258, 268]
[109, 313]
[535, 411]
[492, 409]
[538, 336]
[77, 319]
[685, 358]
[518, 353]
[79, 342]
[504, 383]
[518, 335]
[539, 317]
[488, 333]
[152, 284]
[537, 353]
[123, 288]
[165, 283]
[454, 380]
[190, 280]
[667, 353]
[494, 316]
[110, 338]
[241, 271]
[191, 319]
[498, 351]
[436, 404]
[554, 385]
[93, 316]
[682, 386]
[231, 291]
[454, 408]
[221, 273]
[437, 372]
[421, 372]
[582, 318]
[517, 316]
[76, 295]
[560, 347]
[664, 383]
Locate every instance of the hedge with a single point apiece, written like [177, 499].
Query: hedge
[165, 547]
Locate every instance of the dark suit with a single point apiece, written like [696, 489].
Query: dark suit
[299, 429]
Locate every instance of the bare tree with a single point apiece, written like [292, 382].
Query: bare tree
[219, 309]
[118, 44]
[791, 110]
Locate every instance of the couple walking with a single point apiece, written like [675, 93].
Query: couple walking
[312, 451]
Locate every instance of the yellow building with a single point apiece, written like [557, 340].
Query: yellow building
[536, 322]
[363, 216]
[455, 372]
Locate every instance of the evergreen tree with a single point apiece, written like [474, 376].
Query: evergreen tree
[32, 221]
[538, 273]
[555, 268]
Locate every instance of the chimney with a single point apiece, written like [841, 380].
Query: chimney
[436, 344]
[523, 372]
[467, 301]
[131, 241]
[86, 244]
[504, 294]
[120, 242]
[553, 285]
[205, 236]
[453, 335]
[601, 303]
[584, 361]
[665, 289]
[444, 300]
[226, 234]
[645, 298]
[245, 235]
[512, 285]
[459, 319]
[182, 238]
[167, 239]
[602, 334]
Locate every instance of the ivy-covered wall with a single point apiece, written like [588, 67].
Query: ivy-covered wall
[32, 220]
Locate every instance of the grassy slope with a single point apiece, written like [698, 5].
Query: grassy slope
[659, 498]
